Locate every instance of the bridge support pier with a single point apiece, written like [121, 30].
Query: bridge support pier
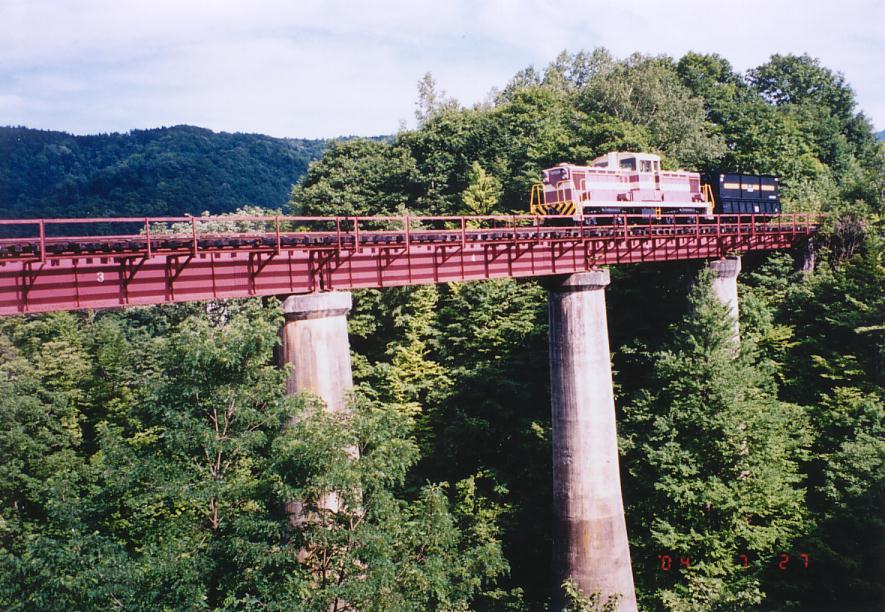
[590, 535]
[314, 341]
[724, 285]
[809, 256]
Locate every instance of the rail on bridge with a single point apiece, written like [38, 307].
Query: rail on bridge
[66, 264]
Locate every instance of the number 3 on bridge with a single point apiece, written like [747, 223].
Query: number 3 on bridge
[100, 277]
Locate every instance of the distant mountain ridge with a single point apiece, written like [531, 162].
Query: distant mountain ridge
[880, 135]
[163, 171]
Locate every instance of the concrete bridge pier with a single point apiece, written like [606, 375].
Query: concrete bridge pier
[808, 254]
[590, 535]
[314, 341]
[724, 285]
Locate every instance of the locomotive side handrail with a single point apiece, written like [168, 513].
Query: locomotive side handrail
[538, 200]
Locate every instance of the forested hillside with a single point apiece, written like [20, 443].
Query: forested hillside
[165, 171]
[150, 466]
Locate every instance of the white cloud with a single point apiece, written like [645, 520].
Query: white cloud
[311, 68]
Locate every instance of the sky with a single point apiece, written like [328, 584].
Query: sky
[317, 69]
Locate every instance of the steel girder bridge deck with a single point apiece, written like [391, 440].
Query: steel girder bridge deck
[66, 264]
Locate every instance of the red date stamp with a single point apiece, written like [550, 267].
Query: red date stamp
[669, 562]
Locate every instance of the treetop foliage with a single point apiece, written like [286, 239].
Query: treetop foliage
[790, 117]
[162, 482]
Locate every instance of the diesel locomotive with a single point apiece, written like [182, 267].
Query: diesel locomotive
[622, 184]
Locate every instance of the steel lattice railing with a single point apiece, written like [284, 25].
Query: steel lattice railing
[63, 264]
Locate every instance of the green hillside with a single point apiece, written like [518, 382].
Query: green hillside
[163, 171]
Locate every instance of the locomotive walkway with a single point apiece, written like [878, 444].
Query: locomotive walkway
[66, 264]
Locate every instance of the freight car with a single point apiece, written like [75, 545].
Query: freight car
[744, 194]
[621, 184]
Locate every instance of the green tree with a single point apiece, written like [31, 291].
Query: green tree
[838, 317]
[570, 73]
[482, 193]
[712, 459]
[792, 79]
[835, 368]
[379, 551]
[357, 177]
[443, 149]
[431, 100]
[824, 104]
[524, 79]
[536, 131]
[647, 92]
[711, 78]
[409, 374]
[175, 496]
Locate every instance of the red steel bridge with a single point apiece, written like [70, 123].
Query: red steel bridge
[66, 264]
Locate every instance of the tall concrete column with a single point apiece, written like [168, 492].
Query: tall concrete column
[314, 341]
[808, 254]
[724, 285]
[590, 535]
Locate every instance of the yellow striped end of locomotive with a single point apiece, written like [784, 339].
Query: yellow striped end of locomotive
[539, 205]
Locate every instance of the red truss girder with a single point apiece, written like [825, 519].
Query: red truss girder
[40, 275]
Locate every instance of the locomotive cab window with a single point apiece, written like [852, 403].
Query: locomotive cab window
[628, 164]
[645, 165]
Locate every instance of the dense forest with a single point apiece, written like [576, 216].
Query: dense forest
[166, 171]
[147, 463]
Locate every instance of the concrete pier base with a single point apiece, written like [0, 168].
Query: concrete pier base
[590, 535]
[724, 285]
[314, 341]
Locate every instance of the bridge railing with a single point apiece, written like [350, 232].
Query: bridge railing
[59, 237]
